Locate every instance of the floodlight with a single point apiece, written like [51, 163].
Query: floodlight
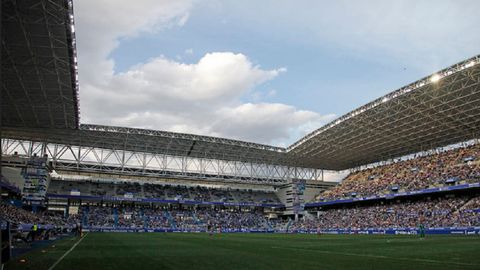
[435, 78]
[470, 64]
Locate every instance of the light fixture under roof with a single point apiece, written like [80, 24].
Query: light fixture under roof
[435, 78]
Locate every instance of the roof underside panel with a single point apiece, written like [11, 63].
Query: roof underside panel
[39, 87]
[434, 115]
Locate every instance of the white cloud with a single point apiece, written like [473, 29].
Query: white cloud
[201, 98]
[218, 79]
[183, 19]
[101, 24]
[267, 121]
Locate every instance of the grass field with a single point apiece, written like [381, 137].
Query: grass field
[139, 251]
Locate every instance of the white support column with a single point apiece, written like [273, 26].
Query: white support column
[44, 148]
[144, 162]
[79, 157]
[30, 149]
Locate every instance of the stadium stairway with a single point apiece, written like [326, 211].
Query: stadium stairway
[288, 224]
[144, 218]
[269, 225]
[307, 215]
[115, 217]
[171, 220]
[197, 220]
[85, 214]
[466, 205]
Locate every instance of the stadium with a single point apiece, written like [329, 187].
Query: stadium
[86, 196]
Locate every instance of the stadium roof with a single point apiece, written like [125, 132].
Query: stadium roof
[40, 103]
[438, 110]
[39, 75]
[152, 141]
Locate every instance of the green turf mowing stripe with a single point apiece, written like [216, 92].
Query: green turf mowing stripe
[139, 251]
[68, 252]
[378, 256]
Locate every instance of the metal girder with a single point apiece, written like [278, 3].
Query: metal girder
[71, 157]
[39, 73]
[426, 114]
[174, 135]
[157, 142]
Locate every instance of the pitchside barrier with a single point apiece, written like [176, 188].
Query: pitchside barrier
[164, 230]
[389, 231]
[398, 231]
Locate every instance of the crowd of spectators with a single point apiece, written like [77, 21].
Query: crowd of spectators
[233, 220]
[164, 218]
[142, 217]
[162, 192]
[448, 167]
[440, 212]
[18, 216]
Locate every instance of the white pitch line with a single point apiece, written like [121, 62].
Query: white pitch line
[379, 256]
[66, 253]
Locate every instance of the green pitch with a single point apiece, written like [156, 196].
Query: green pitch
[139, 251]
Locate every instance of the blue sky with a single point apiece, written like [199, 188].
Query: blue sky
[302, 62]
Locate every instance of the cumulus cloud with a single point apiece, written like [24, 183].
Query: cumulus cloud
[100, 25]
[255, 119]
[201, 98]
